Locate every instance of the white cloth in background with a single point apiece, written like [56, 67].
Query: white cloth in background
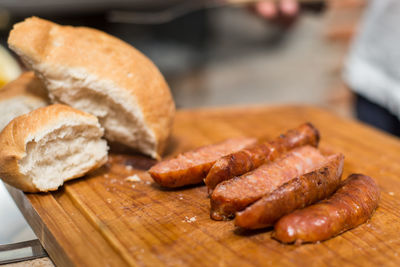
[373, 66]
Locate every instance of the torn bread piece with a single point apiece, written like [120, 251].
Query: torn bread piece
[50, 145]
[21, 96]
[102, 75]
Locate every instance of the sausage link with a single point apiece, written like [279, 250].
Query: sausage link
[191, 167]
[250, 158]
[236, 194]
[295, 194]
[352, 205]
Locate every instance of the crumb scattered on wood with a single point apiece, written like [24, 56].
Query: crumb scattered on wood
[189, 220]
[133, 178]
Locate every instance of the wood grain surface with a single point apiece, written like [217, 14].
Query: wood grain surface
[104, 219]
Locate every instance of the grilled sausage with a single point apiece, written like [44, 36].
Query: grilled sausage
[295, 194]
[191, 167]
[250, 158]
[236, 194]
[352, 205]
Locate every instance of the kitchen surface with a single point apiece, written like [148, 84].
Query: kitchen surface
[234, 59]
[119, 216]
[225, 57]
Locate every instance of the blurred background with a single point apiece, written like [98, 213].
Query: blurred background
[216, 57]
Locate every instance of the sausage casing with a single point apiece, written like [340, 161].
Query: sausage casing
[295, 194]
[352, 204]
[250, 158]
[191, 167]
[236, 194]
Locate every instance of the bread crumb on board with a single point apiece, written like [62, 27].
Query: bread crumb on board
[391, 193]
[136, 178]
[189, 220]
[133, 178]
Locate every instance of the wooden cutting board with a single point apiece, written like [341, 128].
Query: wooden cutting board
[104, 219]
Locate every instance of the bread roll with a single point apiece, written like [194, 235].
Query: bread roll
[42, 149]
[102, 75]
[21, 96]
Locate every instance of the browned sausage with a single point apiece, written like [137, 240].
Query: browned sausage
[295, 194]
[236, 194]
[250, 158]
[352, 205]
[191, 167]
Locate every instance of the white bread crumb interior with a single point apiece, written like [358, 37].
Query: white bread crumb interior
[16, 106]
[21, 96]
[63, 153]
[123, 121]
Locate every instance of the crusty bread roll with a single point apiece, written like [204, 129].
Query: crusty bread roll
[102, 75]
[42, 149]
[21, 96]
